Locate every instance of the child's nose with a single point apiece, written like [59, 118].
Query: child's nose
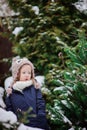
[27, 74]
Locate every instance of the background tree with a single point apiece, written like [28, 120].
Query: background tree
[69, 89]
[46, 27]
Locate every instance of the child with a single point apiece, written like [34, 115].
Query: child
[26, 94]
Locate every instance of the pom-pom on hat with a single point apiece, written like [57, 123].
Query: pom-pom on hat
[17, 63]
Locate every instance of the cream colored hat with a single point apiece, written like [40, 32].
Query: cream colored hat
[17, 63]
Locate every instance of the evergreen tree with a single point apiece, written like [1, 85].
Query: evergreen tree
[47, 26]
[68, 108]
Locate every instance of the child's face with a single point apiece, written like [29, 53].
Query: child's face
[25, 73]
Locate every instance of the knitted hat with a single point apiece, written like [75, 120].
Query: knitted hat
[17, 63]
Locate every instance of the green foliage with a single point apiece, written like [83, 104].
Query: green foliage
[69, 90]
[78, 55]
[24, 115]
[45, 35]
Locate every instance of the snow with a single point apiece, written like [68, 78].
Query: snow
[74, 128]
[23, 127]
[7, 116]
[40, 79]
[59, 88]
[8, 82]
[2, 104]
[45, 90]
[71, 128]
[17, 30]
[35, 9]
[65, 119]
[52, 0]
[5, 9]
[81, 5]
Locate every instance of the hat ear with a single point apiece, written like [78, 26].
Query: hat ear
[15, 58]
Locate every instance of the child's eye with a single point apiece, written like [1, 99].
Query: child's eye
[29, 72]
[23, 72]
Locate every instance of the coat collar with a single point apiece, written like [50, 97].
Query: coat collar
[20, 85]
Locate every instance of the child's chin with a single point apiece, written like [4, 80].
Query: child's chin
[25, 80]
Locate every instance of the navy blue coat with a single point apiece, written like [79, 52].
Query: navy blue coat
[22, 101]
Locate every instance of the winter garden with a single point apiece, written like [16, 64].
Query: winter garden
[53, 35]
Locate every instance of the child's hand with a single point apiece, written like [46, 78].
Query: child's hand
[37, 85]
[9, 91]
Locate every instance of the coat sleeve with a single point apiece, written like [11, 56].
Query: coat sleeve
[41, 116]
[40, 103]
[8, 103]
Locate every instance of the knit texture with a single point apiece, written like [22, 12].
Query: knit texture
[17, 63]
